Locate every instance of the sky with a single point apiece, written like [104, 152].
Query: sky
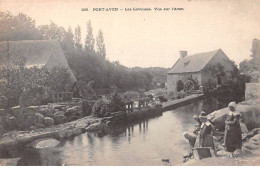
[154, 38]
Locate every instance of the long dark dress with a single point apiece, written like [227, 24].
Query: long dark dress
[205, 138]
[232, 137]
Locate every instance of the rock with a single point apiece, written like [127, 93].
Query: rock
[86, 108]
[40, 117]
[48, 121]
[250, 114]
[73, 118]
[57, 106]
[71, 111]
[43, 143]
[246, 151]
[108, 123]
[47, 112]
[59, 119]
[39, 125]
[250, 145]
[9, 161]
[222, 153]
[237, 153]
[93, 127]
[59, 113]
[256, 138]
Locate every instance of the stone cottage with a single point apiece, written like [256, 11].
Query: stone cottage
[204, 69]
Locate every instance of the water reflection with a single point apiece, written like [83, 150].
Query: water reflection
[142, 143]
[41, 157]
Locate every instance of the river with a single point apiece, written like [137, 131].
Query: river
[142, 143]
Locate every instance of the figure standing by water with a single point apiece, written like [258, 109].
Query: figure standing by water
[232, 137]
[205, 138]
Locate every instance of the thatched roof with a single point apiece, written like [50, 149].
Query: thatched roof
[40, 53]
[193, 63]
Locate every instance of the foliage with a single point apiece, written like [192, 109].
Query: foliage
[86, 63]
[180, 95]
[90, 41]
[18, 27]
[77, 38]
[252, 66]
[57, 79]
[180, 85]
[116, 103]
[162, 98]
[130, 95]
[111, 104]
[101, 49]
[18, 80]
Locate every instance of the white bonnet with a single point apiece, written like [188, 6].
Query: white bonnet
[232, 104]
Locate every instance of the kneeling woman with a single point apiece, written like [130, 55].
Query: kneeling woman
[232, 137]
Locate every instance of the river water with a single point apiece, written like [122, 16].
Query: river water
[142, 143]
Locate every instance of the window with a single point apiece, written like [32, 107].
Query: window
[186, 63]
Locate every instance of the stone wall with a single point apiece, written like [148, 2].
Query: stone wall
[252, 91]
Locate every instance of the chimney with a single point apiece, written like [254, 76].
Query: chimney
[183, 54]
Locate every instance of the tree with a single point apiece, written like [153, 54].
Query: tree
[67, 43]
[58, 79]
[90, 41]
[52, 31]
[252, 66]
[77, 38]
[101, 49]
[19, 27]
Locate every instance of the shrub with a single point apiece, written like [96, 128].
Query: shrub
[180, 85]
[181, 95]
[162, 99]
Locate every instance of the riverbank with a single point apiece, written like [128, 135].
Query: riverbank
[250, 156]
[250, 151]
[12, 142]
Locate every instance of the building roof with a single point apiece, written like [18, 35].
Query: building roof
[40, 53]
[193, 63]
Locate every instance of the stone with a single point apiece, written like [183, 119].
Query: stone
[48, 121]
[238, 153]
[47, 112]
[39, 125]
[86, 108]
[250, 114]
[43, 143]
[246, 151]
[93, 127]
[9, 161]
[59, 113]
[250, 146]
[40, 117]
[57, 106]
[59, 119]
[73, 118]
[256, 138]
[222, 153]
[71, 111]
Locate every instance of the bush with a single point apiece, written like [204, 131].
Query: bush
[131, 95]
[162, 99]
[108, 105]
[181, 95]
[180, 85]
